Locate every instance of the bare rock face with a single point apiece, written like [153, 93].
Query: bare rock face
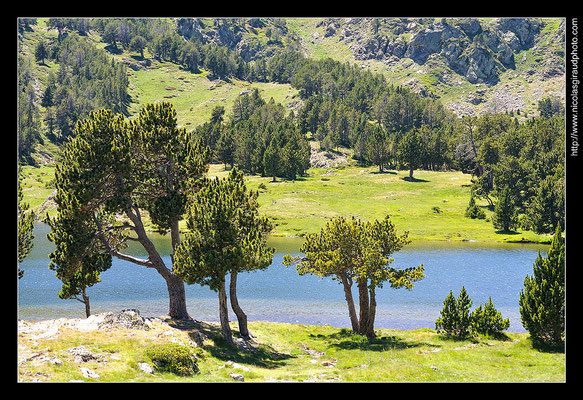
[478, 51]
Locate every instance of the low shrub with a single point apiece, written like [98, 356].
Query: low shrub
[488, 320]
[456, 320]
[173, 357]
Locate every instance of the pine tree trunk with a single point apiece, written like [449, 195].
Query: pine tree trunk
[350, 301]
[86, 302]
[176, 292]
[224, 315]
[241, 316]
[371, 314]
[364, 308]
[177, 297]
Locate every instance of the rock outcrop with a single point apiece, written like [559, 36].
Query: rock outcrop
[125, 319]
[479, 51]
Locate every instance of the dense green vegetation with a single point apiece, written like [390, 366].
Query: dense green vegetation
[344, 106]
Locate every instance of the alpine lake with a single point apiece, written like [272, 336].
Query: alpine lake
[279, 294]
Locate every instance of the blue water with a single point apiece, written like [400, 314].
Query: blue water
[279, 294]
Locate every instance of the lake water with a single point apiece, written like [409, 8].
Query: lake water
[279, 294]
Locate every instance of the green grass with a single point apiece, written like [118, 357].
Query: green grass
[306, 204]
[314, 42]
[37, 184]
[194, 95]
[298, 353]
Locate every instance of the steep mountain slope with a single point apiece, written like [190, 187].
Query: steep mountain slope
[473, 65]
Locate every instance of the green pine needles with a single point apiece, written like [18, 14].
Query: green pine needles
[110, 172]
[456, 319]
[542, 302]
[226, 236]
[474, 211]
[350, 250]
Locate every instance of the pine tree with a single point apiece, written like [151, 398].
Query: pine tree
[118, 168]
[271, 160]
[505, 216]
[473, 211]
[226, 147]
[40, 52]
[227, 237]
[455, 317]
[25, 229]
[448, 318]
[78, 259]
[488, 320]
[378, 147]
[410, 150]
[542, 301]
[465, 318]
[350, 250]
[545, 209]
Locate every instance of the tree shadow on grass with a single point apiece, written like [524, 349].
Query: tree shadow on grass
[507, 232]
[409, 179]
[549, 348]
[245, 352]
[257, 354]
[348, 340]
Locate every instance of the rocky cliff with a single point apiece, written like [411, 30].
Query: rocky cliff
[477, 50]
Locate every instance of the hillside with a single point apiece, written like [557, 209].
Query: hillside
[472, 65]
[367, 89]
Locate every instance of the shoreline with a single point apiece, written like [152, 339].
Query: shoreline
[103, 321]
[113, 347]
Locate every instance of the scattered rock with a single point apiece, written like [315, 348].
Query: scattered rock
[233, 364]
[237, 377]
[89, 373]
[81, 354]
[328, 159]
[145, 367]
[125, 319]
[312, 352]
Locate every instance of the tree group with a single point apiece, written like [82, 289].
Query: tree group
[353, 251]
[456, 319]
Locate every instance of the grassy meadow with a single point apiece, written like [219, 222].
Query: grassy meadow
[293, 353]
[194, 95]
[431, 207]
